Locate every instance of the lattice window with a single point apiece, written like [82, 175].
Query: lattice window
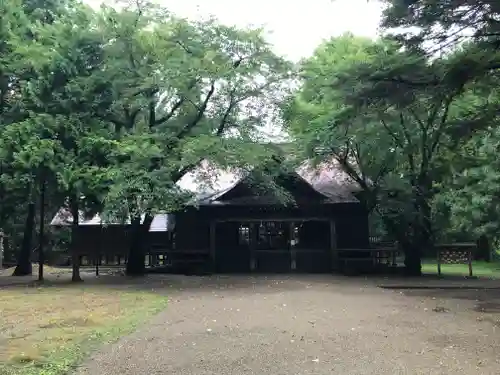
[272, 235]
[244, 234]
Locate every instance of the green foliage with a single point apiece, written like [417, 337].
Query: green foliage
[466, 182]
[184, 92]
[112, 107]
[469, 193]
[318, 115]
[391, 118]
[445, 23]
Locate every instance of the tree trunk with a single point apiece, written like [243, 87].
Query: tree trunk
[1, 248]
[41, 255]
[75, 258]
[138, 237]
[483, 249]
[24, 267]
[408, 243]
[75, 262]
[423, 239]
[413, 259]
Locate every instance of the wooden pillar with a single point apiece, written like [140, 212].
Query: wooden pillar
[293, 250]
[1, 249]
[333, 246]
[253, 228]
[394, 253]
[212, 243]
[439, 261]
[99, 250]
[470, 262]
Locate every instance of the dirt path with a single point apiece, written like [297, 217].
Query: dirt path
[305, 325]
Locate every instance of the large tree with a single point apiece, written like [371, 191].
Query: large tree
[368, 105]
[23, 52]
[119, 104]
[473, 28]
[180, 92]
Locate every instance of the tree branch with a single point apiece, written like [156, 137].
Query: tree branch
[223, 123]
[131, 116]
[110, 118]
[440, 130]
[199, 115]
[184, 47]
[170, 113]
[349, 169]
[392, 133]
[407, 82]
[357, 156]
[220, 130]
[420, 123]
[405, 130]
[176, 106]
[409, 153]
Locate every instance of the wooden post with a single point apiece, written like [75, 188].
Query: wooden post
[99, 250]
[1, 249]
[212, 243]
[394, 253]
[293, 251]
[333, 246]
[439, 261]
[253, 233]
[41, 253]
[470, 262]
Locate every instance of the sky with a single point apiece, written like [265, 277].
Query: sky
[295, 27]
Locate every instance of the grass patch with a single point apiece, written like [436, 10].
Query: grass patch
[481, 269]
[48, 330]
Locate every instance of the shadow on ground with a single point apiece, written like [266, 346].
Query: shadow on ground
[166, 283]
[485, 293]
[478, 298]
[486, 300]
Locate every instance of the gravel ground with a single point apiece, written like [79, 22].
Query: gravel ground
[307, 325]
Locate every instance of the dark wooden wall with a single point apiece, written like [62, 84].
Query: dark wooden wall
[193, 224]
[192, 231]
[91, 239]
[352, 231]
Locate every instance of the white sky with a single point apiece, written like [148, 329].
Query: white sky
[296, 27]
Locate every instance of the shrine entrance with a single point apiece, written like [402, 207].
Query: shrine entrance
[275, 246]
[271, 250]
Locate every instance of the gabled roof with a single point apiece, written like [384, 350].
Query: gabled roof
[209, 183]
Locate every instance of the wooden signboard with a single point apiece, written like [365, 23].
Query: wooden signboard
[458, 253]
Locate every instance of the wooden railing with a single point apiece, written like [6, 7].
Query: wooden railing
[376, 255]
